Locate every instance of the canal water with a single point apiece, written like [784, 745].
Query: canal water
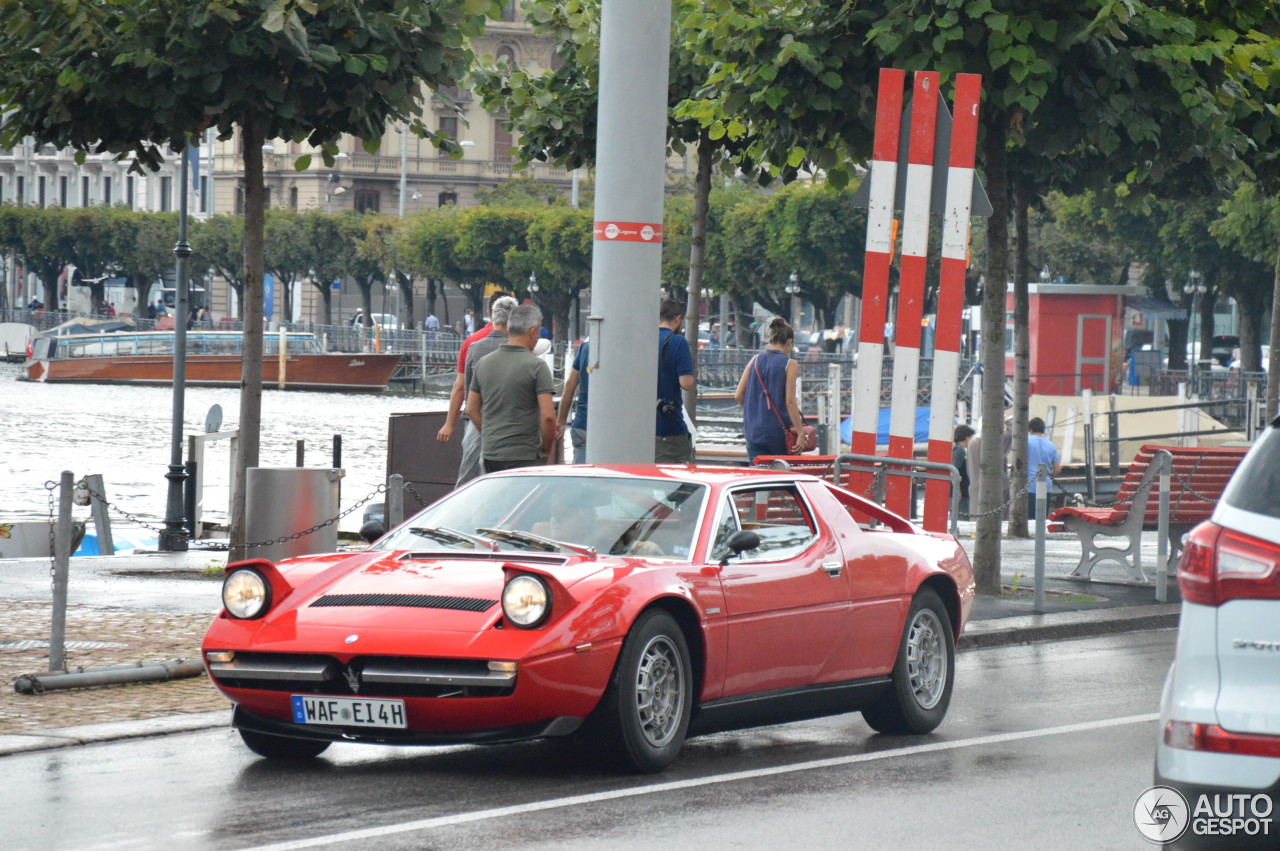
[123, 433]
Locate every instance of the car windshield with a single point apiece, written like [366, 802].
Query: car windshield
[641, 517]
[1256, 484]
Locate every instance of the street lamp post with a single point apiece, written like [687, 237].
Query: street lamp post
[173, 538]
[1195, 288]
[793, 290]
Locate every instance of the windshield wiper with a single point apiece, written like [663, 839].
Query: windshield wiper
[537, 542]
[446, 535]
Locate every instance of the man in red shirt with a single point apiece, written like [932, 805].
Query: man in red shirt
[458, 394]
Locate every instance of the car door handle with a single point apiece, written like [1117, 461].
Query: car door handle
[832, 567]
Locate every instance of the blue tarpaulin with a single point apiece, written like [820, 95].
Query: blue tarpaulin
[882, 427]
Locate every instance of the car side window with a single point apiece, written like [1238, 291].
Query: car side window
[776, 513]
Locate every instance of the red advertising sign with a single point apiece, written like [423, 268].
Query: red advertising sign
[628, 232]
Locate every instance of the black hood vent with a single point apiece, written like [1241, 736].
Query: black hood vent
[410, 601]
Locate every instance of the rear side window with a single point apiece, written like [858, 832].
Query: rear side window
[1256, 484]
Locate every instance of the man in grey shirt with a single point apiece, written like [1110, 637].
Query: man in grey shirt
[509, 398]
[499, 312]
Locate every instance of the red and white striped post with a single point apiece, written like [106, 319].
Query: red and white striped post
[912, 267]
[875, 276]
[955, 253]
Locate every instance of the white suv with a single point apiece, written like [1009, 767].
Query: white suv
[1219, 739]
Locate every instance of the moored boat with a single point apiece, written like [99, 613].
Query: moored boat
[213, 360]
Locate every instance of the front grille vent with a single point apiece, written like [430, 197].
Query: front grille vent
[411, 601]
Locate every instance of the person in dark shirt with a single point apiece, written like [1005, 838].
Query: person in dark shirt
[960, 460]
[672, 442]
[767, 394]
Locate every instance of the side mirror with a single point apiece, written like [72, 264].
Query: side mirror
[739, 542]
[372, 531]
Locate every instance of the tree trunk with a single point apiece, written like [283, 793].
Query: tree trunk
[97, 299]
[1177, 342]
[49, 280]
[431, 296]
[1273, 374]
[986, 553]
[251, 307]
[1021, 353]
[366, 301]
[405, 283]
[697, 254]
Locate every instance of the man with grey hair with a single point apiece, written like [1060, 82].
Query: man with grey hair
[499, 314]
[509, 398]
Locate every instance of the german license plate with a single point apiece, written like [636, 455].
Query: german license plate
[347, 711]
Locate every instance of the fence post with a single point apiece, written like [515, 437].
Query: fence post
[395, 500]
[1042, 508]
[189, 499]
[61, 560]
[101, 518]
[1090, 473]
[1182, 414]
[1113, 437]
[834, 380]
[1162, 527]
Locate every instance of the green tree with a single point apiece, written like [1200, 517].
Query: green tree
[284, 255]
[217, 243]
[144, 245]
[559, 241]
[485, 235]
[131, 78]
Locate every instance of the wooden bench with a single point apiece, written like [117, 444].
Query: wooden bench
[1197, 478]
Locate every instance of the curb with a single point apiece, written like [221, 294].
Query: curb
[978, 635]
[61, 737]
[1001, 632]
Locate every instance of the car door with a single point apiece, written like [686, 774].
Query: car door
[786, 602]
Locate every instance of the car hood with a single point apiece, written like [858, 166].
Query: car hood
[399, 590]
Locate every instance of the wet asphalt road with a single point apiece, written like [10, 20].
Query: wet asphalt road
[1046, 746]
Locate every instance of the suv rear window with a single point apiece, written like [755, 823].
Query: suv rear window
[1256, 484]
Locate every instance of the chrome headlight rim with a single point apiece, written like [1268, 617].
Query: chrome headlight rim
[542, 587]
[264, 598]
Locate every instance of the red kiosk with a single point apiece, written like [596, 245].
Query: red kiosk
[1077, 334]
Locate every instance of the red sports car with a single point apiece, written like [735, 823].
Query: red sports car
[633, 605]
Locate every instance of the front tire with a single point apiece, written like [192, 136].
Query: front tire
[282, 747]
[644, 715]
[917, 699]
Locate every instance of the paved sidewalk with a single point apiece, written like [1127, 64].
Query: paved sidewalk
[126, 628]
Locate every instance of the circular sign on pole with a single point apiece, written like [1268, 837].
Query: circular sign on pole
[213, 419]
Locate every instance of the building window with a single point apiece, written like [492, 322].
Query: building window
[239, 205]
[42, 189]
[507, 56]
[447, 198]
[62, 190]
[84, 191]
[206, 203]
[448, 127]
[501, 142]
[21, 190]
[1, 189]
[166, 194]
[106, 190]
[367, 201]
[293, 198]
[509, 10]
[128, 192]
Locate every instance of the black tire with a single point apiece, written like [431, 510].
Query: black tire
[644, 715]
[917, 699]
[282, 747]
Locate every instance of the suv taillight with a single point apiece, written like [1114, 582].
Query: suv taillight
[1219, 565]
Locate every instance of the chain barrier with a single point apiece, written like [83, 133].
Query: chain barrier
[1005, 507]
[283, 539]
[409, 487]
[1186, 486]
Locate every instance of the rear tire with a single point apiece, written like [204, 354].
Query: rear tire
[282, 747]
[917, 699]
[644, 715]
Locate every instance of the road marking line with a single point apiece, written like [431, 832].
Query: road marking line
[676, 785]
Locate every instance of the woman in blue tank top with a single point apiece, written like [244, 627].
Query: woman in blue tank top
[767, 394]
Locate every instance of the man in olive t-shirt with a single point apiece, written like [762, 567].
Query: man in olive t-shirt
[509, 398]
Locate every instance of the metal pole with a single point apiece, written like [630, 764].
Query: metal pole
[300, 451]
[101, 518]
[282, 359]
[404, 163]
[626, 263]
[61, 560]
[188, 499]
[1165, 459]
[395, 500]
[1090, 472]
[1042, 508]
[834, 381]
[173, 539]
[1113, 437]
